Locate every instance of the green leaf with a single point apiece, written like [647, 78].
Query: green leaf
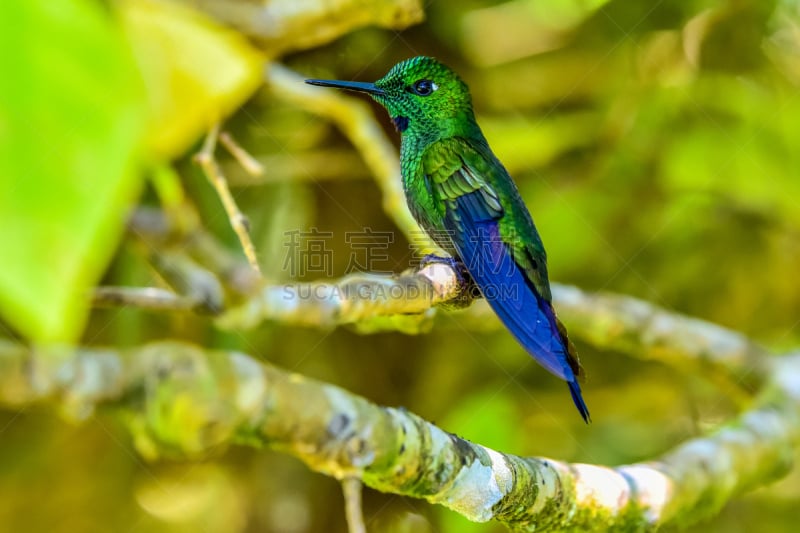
[71, 108]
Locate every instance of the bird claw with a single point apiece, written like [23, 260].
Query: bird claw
[457, 266]
[468, 290]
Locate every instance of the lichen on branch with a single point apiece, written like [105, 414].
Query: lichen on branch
[183, 401]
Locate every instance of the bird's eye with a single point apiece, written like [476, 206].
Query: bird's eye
[423, 87]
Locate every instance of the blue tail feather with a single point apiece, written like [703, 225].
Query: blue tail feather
[577, 399]
[527, 315]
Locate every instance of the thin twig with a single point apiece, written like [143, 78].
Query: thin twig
[351, 487]
[205, 158]
[242, 156]
[152, 298]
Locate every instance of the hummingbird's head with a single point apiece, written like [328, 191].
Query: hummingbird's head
[423, 97]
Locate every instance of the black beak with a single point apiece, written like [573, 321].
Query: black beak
[361, 87]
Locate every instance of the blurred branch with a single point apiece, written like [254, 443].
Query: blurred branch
[197, 266]
[241, 226]
[183, 401]
[249, 163]
[166, 235]
[645, 331]
[280, 26]
[607, 321]
[151, 298]
[195, 283]
[351, 488]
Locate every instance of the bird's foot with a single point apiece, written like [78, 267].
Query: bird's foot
[467, 290]
[433, 259]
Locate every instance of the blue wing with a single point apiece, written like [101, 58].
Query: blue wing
[474, 226]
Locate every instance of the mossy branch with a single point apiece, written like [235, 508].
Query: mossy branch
[183, 401]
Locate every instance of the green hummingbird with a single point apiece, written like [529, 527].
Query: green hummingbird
[464, 198]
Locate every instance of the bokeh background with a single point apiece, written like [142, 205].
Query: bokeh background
[656, 144]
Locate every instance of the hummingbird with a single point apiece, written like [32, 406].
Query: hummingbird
[463, 197]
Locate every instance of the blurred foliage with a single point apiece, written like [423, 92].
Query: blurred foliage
[70, 122]
[654, 142]
[74, 143]
[196, 71]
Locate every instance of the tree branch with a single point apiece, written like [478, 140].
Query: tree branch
[372, 303]
[353, 299]
[183, 401]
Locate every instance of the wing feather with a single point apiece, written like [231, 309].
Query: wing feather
[505, 269]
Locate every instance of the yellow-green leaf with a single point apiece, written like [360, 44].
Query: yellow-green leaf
[196, 70]
[70, 121]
